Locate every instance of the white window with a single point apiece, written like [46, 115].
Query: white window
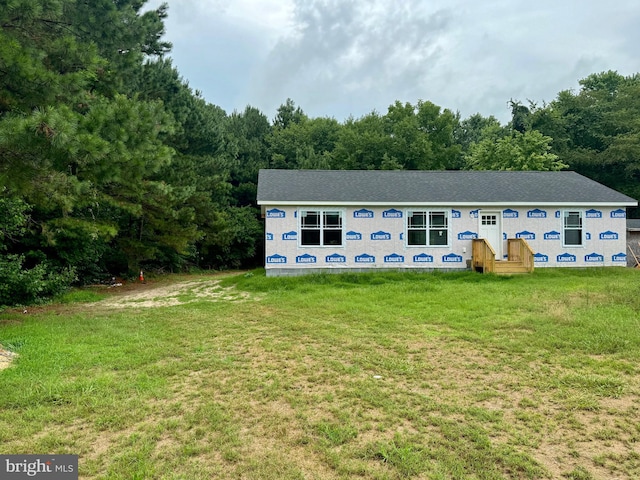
[427, 228]
[572, 228]
[320, 228]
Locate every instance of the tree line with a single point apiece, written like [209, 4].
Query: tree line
[110, 163]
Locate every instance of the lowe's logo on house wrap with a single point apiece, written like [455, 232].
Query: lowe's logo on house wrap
[594, 258]
[619, 257]
[275, 213]
[394, 258]
[620, 213]
[474, 213]
[354, 235]
[526, 235]
[456, 214]
[393, 213]
[335, 258]
[536, 213]
[363, 213]
[365, 258]
[566, 258]
[380, 236]
[467, 235]
[306, 258]
[290, 236]
[558, 214]
[552, 235]
[277, 259]
[509, 213]
[269, 236]
[423, 258]
[452, 258]
[593, 214]
[540, 258]
[608, 235]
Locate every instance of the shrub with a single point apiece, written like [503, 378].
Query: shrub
[20, 286]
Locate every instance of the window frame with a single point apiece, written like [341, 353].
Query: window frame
[324, 227]
[579, 228]
[490, 214]
[428, 227]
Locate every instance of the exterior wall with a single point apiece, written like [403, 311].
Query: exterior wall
[604, 234]
[374, 238]
[633, 240]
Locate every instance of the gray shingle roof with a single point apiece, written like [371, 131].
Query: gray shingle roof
[432, 187]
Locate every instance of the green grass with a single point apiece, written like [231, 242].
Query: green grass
[383, 376]
[80, 295]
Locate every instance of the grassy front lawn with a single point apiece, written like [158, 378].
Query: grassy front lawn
[434, 376]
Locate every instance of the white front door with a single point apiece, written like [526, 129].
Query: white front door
[491, 230]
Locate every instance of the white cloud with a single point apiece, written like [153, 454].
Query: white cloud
[336, 57]
[342, 50]
[273, 16]
[264, 19]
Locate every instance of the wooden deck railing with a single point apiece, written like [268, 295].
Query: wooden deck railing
[483, 257]
[519, 257]
[518, 250]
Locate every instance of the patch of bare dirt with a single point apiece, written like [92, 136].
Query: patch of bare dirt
[6, 357]
[149, 295]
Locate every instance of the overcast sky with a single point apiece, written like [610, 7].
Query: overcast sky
[338, 58]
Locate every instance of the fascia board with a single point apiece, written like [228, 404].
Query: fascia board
[451, 204]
